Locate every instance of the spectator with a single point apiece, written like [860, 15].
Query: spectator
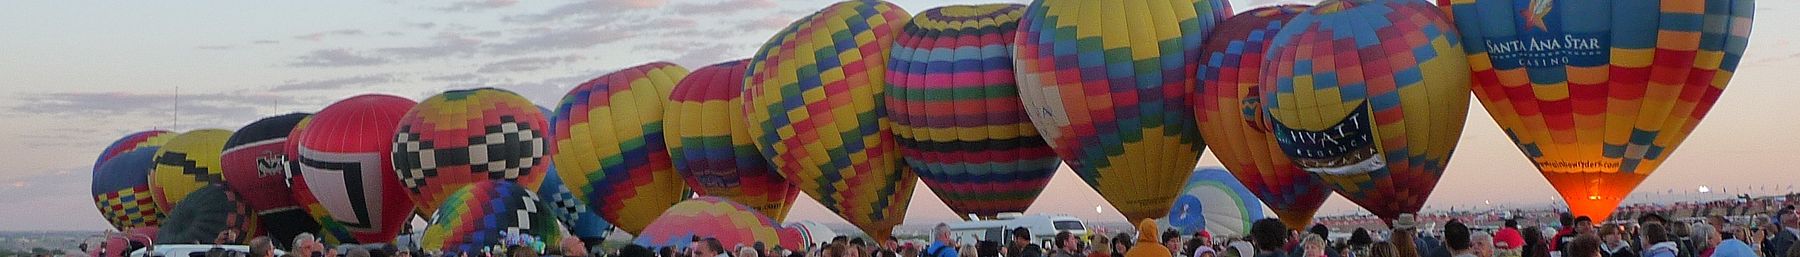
[1102, 246]
[1066, 245]
[941, 244]
[261, 247]
[1268, 235]
[1658, 241]
[1456, 238]
[1584, 245]
[1482, 244]
[987, 249]
[1785, 237]
[1382, 249]
[1147, 245]
[1534, 243]
[1312, 246]
[1508, 237]
[1171, 239]
[1022, 246]
[1612, 243]
[1120, 244]
[1703, 239]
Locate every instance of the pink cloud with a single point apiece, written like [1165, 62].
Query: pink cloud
[478, 5]
[723, 7]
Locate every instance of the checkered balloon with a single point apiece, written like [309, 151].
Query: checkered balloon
[485, 213]
[121, 189]
[464, 136]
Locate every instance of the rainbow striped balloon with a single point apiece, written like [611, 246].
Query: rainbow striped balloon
[485, 213]
[1599, 93]
[1109, 84]
[1229, 111]
[813, 99]
[712, 217]
[609, 144]
[1371, 96]
[957, 113]
[710, 144]
[464, 136]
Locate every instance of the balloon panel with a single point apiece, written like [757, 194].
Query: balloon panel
[710, 146]
[326, 228]
[464, 136]
[609, 143]
[343, 156]
[255, 162]
[121, 190]
[202, 214]
[720, 218]
[486, 213]
[1109, 87]
[134, 141]
[188, 162]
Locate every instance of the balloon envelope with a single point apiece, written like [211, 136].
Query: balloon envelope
[609, 144]
[121, 190]
[464, 136]
[1628, 81]
[710, 144]
[188, 162]
[1109, 86]
[1375, 109]
[1230, 114]
[343, 156]
[484, 214]
[713, 217]
[255, 162]
[328, 230]
[134, 141]
[1214, 200]
[957, 114]
[203, 214]
[574, 214]
[813, 99]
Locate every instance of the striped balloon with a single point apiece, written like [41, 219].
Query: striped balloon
[575, 215]
[957, 114]
[1229, 111]
[329, 230]
[1599, 93]
[813, 99]
[718, 218]
[1371, 96]
[134, 141]
[1109, 85]
[121, 190]
[464, 136]
[609, 144]
[710, 144]
[188, 162]
[485, 213]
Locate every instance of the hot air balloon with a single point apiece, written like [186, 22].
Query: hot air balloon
[203, 214]
[712, 217]
[957, 114]
[1230, 114]
[255, 161]
[571, 211]
[1599, 93]
[464, 136]
[813, 99]
[485, 213]
[1213, 200]
[134, 141]
[609, 144]
[186, 163]
[343, 157]
[710, 144]
[329, 230]
[121, 189]
[1109, 85]
[1373, 108]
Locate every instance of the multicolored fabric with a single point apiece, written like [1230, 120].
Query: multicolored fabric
[187, 163]
[712, 217]
[571, 211]
[1371, 96]
[710, 144]
[1230, 114]
[121, 189]
[1599, 93]
[134, 141]
[464, 136]
[1213, 200]
[325, 228]
[484, 213]
[1109, 85]
[813, 99]
[957, 114]
[609, 144]
[347, 169]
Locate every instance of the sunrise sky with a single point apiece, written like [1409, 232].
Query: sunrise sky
[74, 77]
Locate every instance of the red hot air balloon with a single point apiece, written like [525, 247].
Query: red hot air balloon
[343, 154]
[255, 164]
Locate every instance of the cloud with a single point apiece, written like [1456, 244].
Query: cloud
[443, 45]
[202, 108]
[214, 47]
[477, 5]
[528, 63]
[722, 7]
[317, 36]
[337, 57]
[68, 182]
[766, 23]
[560, 39]
[587, 8]
[699, 54]
[331, 84]
[265, 42]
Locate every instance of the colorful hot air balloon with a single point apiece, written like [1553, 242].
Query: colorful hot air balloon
[571, 211]
[201, 215]
[712, 217]
[957, 114]
[1599, 93]
[1373, 109]
[343, 156]
[464, 136]
[186, 163]
[255, 161]
[329, 229]
[710, 144]
[1213, 200]
[1230, 114]
[813, 99]
[485, 213]
[1109, 85]
[134, 141]
[121, 189]
[609, 144]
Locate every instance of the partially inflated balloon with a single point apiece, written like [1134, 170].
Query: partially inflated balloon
[712, 217]
[484, 213]
[187, 163]
[1600, 93]
[957, 114]
[328, 230]
[464, 136]
[134, 141]
[343, 155]
[1109, 84]
[201, 215]
[121, 189]
[1230, 113]
[255, 161]
[710, 144]
[813, 99]
[609, 144]
[1214, 201]
[1373, 108]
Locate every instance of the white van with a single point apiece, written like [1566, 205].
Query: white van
[187, 250]
[1043, 228]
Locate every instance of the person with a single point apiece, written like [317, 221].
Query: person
[1360, 241]
[1584, 245]
[1120, 244]
[1171, 239]
[710, 247]
[1382, 249]
[1658, 241]
[1195, 244]
[1612, 243]
[305, 245]
[1102, 246]
[1066, 245]
[262, 247]
[1731, 247]
[1534, 243]
[1456, 239]
[941, 244]
[1704, 238]
[987, 249]
[1323, 232]
[1719, 223]
[1508, 237]
[1312, 246]
[632, 250]
[859, 247]
[572, 246]
[1788, 233]
[1268, 236]
[1147, 244]
[1482, 244]
[1564, 234]
[1022, 246]
[331, 251]
[748, 251]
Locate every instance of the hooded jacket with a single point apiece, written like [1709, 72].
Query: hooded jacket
[1147, 246]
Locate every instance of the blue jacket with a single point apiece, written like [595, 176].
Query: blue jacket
[1733, 248]
[1663, 249]
[939, 249]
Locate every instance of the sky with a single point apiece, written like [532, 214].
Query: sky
[75, 77]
